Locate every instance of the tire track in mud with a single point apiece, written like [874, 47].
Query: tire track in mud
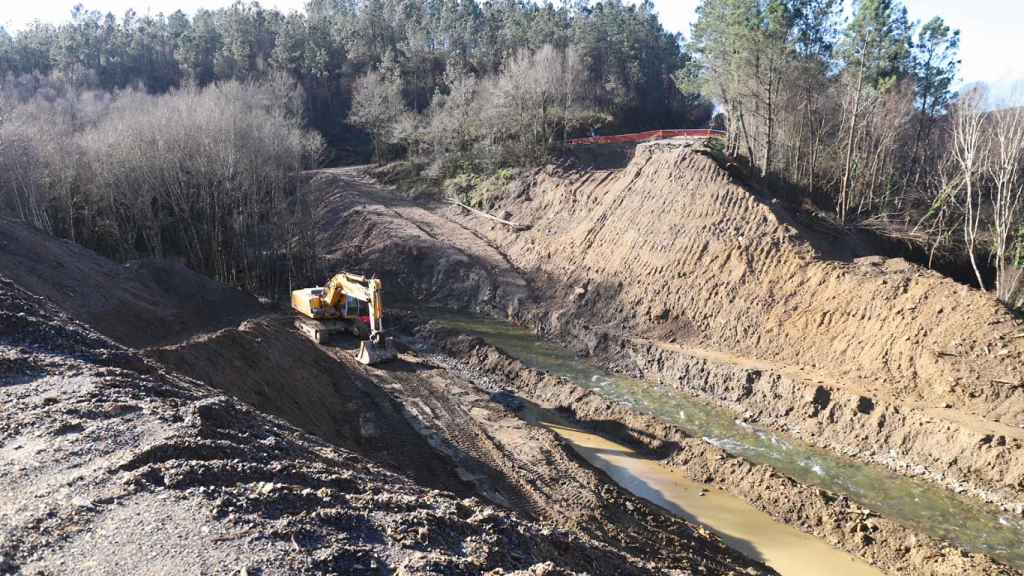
[528, 469]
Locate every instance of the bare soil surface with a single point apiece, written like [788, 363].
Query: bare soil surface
[268, 364]
[249, 448]
[425, 257]
[143, 303]
[559, 304]
[444, 432]
[670, 269]
[112, 465]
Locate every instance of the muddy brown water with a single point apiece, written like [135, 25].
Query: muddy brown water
[922, 506]
[742, 527]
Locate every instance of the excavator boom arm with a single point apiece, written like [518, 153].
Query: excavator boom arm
[324, 311]
[361, 288]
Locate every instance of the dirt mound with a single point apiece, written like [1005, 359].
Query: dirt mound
[143, 303]
[267, 364]
[111, 465]
[673, 248]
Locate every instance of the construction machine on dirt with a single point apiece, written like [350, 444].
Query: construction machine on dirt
[347, 303]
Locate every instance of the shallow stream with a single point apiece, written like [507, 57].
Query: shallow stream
[925, 507]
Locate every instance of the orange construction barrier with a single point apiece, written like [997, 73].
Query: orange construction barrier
[647, 136]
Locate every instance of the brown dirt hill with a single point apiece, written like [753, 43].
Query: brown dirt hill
[675, 253]
[139, 304]
[267, 364]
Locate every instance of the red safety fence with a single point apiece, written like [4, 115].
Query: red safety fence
[647, 136]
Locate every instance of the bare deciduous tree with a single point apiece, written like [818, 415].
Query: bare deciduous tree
[376, 105]
[202, 174]
[1006, 163]
[969, 152]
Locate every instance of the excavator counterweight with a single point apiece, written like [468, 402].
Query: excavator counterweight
[347, 303]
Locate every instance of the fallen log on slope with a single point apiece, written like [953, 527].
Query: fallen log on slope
[516, 227]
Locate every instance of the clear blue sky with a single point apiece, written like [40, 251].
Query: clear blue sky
[992, 37]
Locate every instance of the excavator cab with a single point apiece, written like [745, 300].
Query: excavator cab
[347, 303]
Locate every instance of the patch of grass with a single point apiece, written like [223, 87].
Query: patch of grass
[481, 191]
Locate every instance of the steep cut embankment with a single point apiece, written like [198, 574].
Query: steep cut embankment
[143, 303]
[691, 274]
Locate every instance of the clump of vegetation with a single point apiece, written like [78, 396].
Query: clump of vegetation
[519, 116]
[205, 174]
[628, 57]
[853, 112]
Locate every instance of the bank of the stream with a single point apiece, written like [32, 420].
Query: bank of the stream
[922, 506]
[746, 529]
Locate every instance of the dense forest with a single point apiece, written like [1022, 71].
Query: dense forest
[850, 112]
[629, 57]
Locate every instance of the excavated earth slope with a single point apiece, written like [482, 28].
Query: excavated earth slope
[423, 256]
[671, 269]
[836, 519]
[388, 232]
[143, 303]
[111, 463]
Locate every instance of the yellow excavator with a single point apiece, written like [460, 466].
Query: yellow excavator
[347, 303]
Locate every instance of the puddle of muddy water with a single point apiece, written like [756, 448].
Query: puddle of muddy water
[922, 506]
[736, 522]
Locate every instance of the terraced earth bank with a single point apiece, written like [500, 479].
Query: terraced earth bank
[671, 269]
[476, 252]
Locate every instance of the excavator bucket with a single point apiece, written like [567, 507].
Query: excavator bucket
[370, 353]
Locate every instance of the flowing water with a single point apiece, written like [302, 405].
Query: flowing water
[922, 506]
[737, 523]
